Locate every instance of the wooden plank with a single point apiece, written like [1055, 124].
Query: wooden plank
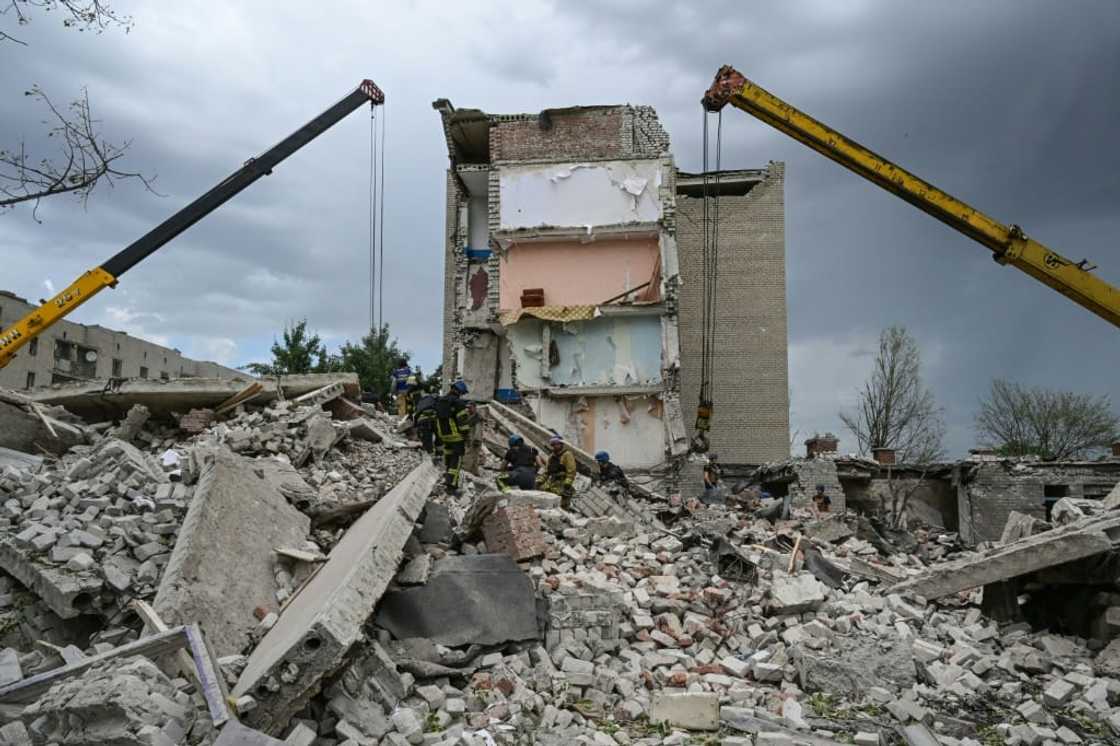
[31, 687]
[156, 625]
[251, 391]
[300, 555]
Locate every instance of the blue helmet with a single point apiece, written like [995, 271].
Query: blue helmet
[602, 457]
[515, 440]
[459, 386]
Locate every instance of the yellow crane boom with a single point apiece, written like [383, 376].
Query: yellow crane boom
[1009, 244]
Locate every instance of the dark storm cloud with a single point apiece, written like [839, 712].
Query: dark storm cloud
[1009, 105]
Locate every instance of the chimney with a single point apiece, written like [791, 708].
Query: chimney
[1116, 449]
[818, 444]
[883, 455]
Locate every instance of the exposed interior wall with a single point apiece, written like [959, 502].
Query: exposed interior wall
[580, 194]
[477, 219]
[630, 428]
[751, 419]
[933, 501]
[561, 268]
[620, 351]
[479, 365]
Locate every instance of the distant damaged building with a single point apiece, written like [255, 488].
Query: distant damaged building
[571, 286]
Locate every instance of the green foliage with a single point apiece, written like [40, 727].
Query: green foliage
[373, 359]
[300, 352]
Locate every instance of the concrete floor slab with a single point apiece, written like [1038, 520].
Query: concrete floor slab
[222, 566]
[325, 619]
[92, 402]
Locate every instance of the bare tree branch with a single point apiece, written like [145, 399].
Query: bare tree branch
[1053, 425]
[895, 408]
[83, 15]
[83, 161]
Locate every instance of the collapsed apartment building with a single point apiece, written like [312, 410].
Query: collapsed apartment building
[70, 352]
[573, 283]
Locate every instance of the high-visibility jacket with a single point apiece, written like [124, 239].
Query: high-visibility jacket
[452, 420]
[562, 467]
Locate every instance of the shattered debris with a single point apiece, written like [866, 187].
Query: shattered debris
[348, 599]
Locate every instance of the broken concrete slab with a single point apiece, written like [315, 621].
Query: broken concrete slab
[222, 566]
[483, 598]
[23, 428]
[1074, 541]
[92, 401]
[110, 703]
[793, 594]
[324, 620]
[236, 734]
[854, 667]
[1020, 525]
[20, 460]
[765, 730]
[699, 711]
[66, 593]
[828, 530]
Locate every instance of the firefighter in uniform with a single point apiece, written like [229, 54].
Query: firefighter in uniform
[560, 472]
[610, 473]
[521, 466]
[452, 427]
[423, 418]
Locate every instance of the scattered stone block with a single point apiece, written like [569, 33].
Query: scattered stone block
[794, 594]
[514, 530]
[698, 711]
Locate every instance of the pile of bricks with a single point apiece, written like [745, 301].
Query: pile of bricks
[514, 530]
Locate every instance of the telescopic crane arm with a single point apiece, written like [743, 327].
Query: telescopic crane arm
[1009, 245]
[106, 275]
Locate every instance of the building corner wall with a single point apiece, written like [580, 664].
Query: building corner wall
[751, 382]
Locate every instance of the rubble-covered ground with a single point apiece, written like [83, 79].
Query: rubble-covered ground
[630, 619]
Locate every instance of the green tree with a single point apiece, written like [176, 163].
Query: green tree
[300, 352]
[373, 359]
[1053, 425]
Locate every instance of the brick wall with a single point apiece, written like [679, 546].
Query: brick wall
[751, 420]
[992, 490]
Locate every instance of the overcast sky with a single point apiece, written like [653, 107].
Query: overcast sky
[1013, 106]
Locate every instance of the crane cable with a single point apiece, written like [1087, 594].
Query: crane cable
[373, 218]
[709, 284]
[376, 221]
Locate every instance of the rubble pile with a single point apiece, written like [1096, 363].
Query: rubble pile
[346, 598]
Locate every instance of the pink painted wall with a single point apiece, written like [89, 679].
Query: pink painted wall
[574, 273]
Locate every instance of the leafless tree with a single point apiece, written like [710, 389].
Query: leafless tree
[82, 161]
[1053, 425]
[895, 408]
[83, 15]
[82, 158]
[894, 500]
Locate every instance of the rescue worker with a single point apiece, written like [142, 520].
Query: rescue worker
[822, 503]
[400, 385]
[452, 427]
[423, 418]
[560, 472]
[610, 473]
[712, 475]
[521, 466]
[414, 389]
